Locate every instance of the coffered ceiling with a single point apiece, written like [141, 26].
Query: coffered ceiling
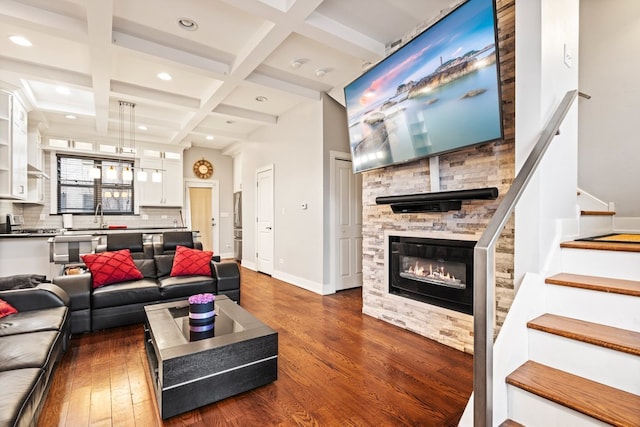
[246, 63]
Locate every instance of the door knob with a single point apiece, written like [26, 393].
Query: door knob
[268, 228]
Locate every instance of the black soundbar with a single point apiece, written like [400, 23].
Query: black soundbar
[441, 201]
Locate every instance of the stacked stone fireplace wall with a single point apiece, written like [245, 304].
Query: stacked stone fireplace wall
[488, 165]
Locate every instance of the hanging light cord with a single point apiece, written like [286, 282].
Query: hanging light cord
[132, 131]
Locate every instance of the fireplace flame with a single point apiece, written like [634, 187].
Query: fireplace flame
[438, 273]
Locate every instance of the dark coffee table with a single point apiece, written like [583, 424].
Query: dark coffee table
[242, 355]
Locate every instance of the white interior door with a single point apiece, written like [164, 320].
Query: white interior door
[264, 220]
[348, 220]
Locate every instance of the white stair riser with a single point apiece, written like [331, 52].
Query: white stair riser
[595, 225]
[616, 265]
[532, 411]
[620, 311]
[603, 365]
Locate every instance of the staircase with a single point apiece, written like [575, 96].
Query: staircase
[583, 366]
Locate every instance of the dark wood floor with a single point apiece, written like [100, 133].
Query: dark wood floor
[337, 367]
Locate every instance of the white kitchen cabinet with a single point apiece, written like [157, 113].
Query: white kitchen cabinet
[167, 193]
[35, 153]
[5, 142]
[36, 184]
[36, 176]
[173, 182]
[13, 148]
[20, 255]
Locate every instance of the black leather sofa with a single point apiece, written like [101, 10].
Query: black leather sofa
[32, 341]
[123, 303]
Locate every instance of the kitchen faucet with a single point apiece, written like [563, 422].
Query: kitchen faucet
[95, 215]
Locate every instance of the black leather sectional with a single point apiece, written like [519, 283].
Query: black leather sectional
[32, 341]
[123, 303]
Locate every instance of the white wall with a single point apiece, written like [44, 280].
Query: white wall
[223, 173]
[335, 138]
[609, 62]
[294, 148]
[543, 29]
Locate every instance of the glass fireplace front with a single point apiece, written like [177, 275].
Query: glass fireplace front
[435, 271]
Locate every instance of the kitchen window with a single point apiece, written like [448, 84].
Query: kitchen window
[80, 193]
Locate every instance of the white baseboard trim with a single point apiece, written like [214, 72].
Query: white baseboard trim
[249, 264]
[299, 282]
[626, 224]
[291, 279]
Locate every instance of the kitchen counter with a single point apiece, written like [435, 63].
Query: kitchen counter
[26, 235]
[94, 232]
[29, 253]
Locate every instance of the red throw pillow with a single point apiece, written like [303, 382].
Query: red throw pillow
[111, 267]
[187, 262]
[6, 309]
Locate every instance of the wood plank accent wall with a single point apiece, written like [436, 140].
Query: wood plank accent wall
[487, 165]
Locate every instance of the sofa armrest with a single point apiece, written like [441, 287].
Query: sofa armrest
[45, 295]
[78, 287]
[227, 275]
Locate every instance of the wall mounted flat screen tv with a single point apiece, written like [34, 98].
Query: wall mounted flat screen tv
[438, 93]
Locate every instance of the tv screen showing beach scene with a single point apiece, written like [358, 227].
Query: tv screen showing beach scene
[438, 93]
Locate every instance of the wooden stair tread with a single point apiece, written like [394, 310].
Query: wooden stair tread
[602, 246]
[599, 401]
[597, 213]
[510, 423]
[601, 335]
[602, 284]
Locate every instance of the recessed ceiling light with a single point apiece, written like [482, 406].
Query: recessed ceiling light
[209, 137]
[187, 24]
[70, 116]
[320, 72]
[261, 98]
[142, 127]
[296, 63]
[164, 76]
[20, 41]
[63, 90]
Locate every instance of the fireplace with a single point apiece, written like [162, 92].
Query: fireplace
[435, 271]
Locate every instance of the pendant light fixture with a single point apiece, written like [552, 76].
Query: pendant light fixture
[127, 172]
[95, 172]
[112, 173]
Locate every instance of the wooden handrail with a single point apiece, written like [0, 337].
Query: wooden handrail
[484, 270]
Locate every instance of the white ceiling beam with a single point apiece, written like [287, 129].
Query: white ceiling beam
[291, 88]
[204, 131]
[157, 96]
[333, 33]
[282, 5]
[264, 41]
[174, 55]
[45, 73]
[99, 18]
[301, 17]
[38, 18]
[253, 116]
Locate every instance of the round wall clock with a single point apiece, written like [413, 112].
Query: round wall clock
[203, 169]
